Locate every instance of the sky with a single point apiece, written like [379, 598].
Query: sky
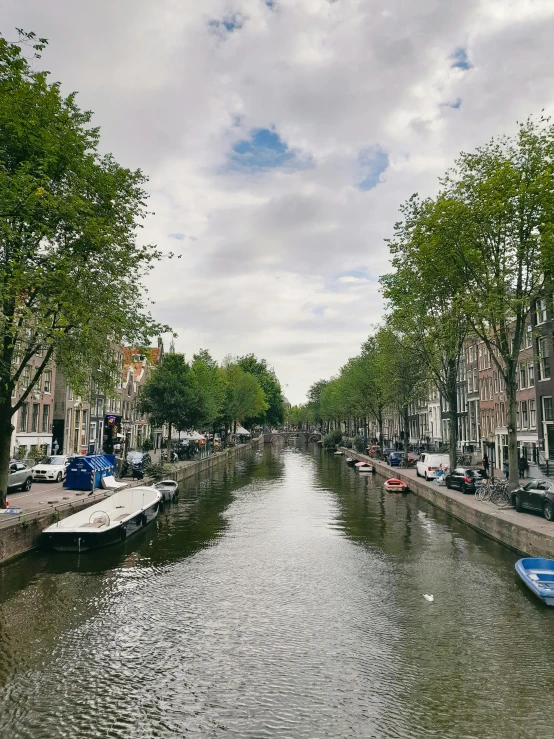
[280, 138]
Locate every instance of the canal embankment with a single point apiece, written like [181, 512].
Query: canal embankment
[527, 533]
[21, 532]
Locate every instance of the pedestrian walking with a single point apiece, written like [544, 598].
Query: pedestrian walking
[506, 470]
[522, 466]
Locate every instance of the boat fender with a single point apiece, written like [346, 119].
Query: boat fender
[144, 519]
[123, 533]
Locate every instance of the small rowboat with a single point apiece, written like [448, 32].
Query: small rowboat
[395, 486]
[350, 460]
[169, 490]
[339, 454]
[364, 467]
[538, 574]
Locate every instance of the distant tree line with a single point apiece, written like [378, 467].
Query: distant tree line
[202, 394]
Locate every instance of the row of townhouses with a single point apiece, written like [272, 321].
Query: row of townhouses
[482, 403]
[56, 420]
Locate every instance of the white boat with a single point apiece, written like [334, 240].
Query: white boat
[364, 467]
[107, 522]
[169, 490]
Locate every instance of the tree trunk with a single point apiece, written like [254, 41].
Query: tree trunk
[380, 427]
[6, 429]
[169, 443]
[405, 416]
[453, 424]
[511, 413]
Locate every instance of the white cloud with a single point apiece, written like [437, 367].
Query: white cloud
[284, 261]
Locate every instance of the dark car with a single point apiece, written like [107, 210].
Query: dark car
[465, 479]
[535, 495]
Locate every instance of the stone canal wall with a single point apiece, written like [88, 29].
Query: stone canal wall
[527, 533]
[23, 533]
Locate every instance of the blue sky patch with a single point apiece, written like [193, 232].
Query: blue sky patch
[263, 150]
[271, 4]
[229, 23]
[456, 104]
[460, 60]
[373, 162]
[177, 236]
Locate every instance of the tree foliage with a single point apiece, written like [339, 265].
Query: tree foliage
[274, 414]
[71, 270]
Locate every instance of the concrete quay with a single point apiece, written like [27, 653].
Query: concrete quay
[527, 533]
[19, 533]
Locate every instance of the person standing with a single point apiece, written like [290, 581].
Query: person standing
[506, 470]
[486, 464]
[522, 466]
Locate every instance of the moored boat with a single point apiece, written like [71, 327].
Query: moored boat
[107, 522]
[350, 460]
[339, 454]
[394, 485]
[169, 490]
[538, 574]
[364, 467]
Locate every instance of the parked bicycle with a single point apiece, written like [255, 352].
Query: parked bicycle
[495, 491]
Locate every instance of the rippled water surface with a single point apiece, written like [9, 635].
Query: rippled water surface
[281, 598]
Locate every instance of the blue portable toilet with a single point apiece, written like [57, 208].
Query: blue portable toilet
[86, 473]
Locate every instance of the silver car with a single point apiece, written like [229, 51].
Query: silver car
[20, 477]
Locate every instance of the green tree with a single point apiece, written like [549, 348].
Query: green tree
[314, 402]
[244, 397]
[424, 295]
[170, 396]
[274, 414]
[71, 271]
[210, 387]
[505, 196]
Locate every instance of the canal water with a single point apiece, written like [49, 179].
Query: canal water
[281, 598]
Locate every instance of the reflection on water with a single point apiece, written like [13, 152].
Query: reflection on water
[283, 598]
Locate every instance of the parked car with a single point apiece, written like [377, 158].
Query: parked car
[466, 479]
[428, 464]
[535, 495]
[53, 469]
[20, 477]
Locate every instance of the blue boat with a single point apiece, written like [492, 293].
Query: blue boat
[538, 574]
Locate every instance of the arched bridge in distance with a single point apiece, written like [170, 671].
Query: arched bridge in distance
[286, 436]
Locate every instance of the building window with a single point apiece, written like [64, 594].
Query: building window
[93, 431]
[34, 418]
[47, 382]
[544, 362]
[26, 377]
[84, 428]
[46, 418]
[522, 376]
[524, 419]
[69, 393]
[529, 340]
[518, 415]
[495, 374]
[502, 415]
[541, 311]
[547, 409]
[531, 374]
[23, 417]
[532, 415]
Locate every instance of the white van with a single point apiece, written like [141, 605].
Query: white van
[428, 464]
